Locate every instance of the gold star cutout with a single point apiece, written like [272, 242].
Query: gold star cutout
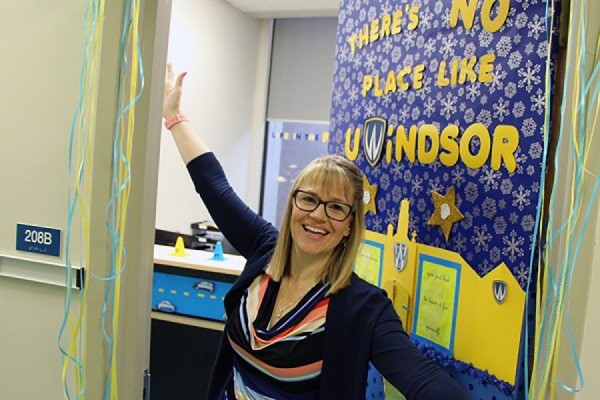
[369, 193]
[445, 212]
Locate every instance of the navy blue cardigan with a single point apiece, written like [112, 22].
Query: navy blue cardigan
[361, 324]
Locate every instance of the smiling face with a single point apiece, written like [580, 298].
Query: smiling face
[314, 234]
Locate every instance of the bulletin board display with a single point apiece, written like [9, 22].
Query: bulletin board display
[442, 105]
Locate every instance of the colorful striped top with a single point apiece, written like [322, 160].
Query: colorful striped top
[283, 361]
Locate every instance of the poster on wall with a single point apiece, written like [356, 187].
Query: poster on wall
[291, 145]
[442, 103]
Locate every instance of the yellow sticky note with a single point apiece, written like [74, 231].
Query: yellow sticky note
[368, 262]
[437, 295]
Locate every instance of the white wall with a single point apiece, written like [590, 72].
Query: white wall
[226, 54]
[41, 45]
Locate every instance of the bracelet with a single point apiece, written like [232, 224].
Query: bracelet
[175, 119]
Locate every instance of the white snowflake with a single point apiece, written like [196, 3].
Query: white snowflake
[489, 178]
[529, 127]
[495, 254]
[518, 109]
[372, 13]
[447, 48]
[521, 198]
[386, 8]
[535, 27]
[514, 60]
[473, 91]
[429, 107]
[429, 47]
[404, 113]
[510, 90]
[370, 109]
[529, 48]
[506, 186]
[357, 61]
[488, 207]
[485, 117]
[416, 112]
[370, 61]
[481, 238]
[449, 105]
[522, 274]
[376, 226]
[353, 94]
[538, 101]
[460, 243]
[497, 78]
[521, 20]
[397, 170]
[396, 54]
[527, 223]
[542, 50]
[512, 246]
[337, 96]
[381, 205]
[409, 38]
[535, 150]
[504, 46]
[486, 267]
[499, 225]
[384, 65]
[529, 75]
[469, 115]
[391, 217]
[396, 194]
[458, 176]
[501, 109]
[470, 50]
[435, 185]
[485, 38]
[471, 192]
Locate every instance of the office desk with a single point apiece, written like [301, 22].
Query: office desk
[183, 347]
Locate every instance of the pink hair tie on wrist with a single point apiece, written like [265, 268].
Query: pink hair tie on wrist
[175, 119]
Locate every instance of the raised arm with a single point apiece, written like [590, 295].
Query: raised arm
[188, 143]
[405, 367]
[242, 227]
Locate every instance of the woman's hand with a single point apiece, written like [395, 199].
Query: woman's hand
[172, 94]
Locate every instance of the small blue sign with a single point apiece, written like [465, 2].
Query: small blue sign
[38, 239]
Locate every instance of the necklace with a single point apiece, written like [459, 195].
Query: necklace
[281, 310]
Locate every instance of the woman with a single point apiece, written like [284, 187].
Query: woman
[301, 324]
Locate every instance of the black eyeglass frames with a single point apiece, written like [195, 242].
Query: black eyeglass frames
[335, 210]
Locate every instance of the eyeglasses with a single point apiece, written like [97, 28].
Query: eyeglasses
[335, 210]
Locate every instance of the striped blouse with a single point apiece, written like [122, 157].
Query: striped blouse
[281, 362]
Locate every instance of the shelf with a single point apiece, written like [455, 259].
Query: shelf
[199, 260]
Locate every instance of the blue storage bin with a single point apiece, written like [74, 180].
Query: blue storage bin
[190, 292]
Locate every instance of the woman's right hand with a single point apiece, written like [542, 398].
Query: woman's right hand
[172, 93]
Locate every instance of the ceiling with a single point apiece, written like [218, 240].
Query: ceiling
[287, 8]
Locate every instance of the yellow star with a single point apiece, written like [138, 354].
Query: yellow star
[369, 193]
[445, 212]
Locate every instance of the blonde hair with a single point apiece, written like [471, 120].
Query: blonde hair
[328, 172]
